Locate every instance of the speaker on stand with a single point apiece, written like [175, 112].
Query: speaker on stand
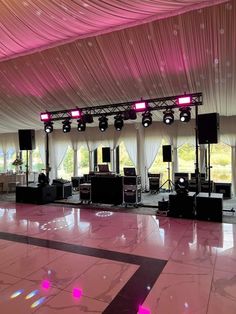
[208, 127]
[209, 206]
[26, 142]
[167, 157]
[106, 154]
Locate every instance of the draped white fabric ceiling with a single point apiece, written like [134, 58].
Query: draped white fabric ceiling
[62, 54]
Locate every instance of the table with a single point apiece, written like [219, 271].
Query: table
[7, 178]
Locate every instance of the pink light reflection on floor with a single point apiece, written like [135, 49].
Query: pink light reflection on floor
[142, 310]
[46, 284]
[77, 293]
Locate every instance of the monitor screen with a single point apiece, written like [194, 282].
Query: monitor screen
[103, 168]
[129, 172]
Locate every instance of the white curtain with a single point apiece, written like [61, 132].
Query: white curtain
[58, 149]
[40, 138]
[129, 136]
[152, 144]
[227, 131]
[8, 141]
[76, 140]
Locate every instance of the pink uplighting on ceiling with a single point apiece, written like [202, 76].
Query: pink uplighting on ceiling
[77, 293]
[140, 106]
[182, 101]
[44, 24]
[45, 116]
[142, 310]
[75, 114]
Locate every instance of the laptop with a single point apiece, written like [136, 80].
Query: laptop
[129, 172]
[103, 168]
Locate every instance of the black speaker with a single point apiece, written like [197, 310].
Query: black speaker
[166, 152]
[106, 156]
[26, 139]
[209, 207]
[208, 126]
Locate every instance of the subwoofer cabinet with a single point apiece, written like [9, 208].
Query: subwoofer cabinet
[85, 192]
[224, 188]
[41, 194]
[182, 205]
[132, 190]
[209, 207]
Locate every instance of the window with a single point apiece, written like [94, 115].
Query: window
[11, 156]
[65, 170]
[125, 161]
[186, 158]
[159, 166]
[37, 164]
[221, 163]
[83, 161]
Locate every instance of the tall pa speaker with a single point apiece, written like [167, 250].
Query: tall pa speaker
[26, 139]
[208, 126]
[106, 156]
[166, 152]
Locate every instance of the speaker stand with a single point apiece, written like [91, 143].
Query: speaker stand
[27, 168]
[209, 168]
[170, 183]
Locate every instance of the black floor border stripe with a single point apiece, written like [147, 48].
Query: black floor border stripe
[133, 293]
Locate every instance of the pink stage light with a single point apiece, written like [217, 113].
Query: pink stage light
[46, 284]
[182, 101]
[77, 293]
[142, 310]
[140, 106]
[75, 114]
[45, 116]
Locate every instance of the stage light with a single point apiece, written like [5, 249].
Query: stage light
[181, 186]
[103, 124]
[42, 179]
[48, 127]
[66, 126]
[132, 114]
[168, 117]
[81, 125]
[140, 106]
[184, 101]
[118, 123]
[75, 114]
[88, 118]
[45, 116]
[147, 119]
[185, 114]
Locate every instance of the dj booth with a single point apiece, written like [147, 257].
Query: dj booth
[106, 189]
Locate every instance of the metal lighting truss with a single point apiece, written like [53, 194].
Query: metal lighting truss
[164, 103]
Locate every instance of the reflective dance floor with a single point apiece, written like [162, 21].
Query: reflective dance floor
[56, 259]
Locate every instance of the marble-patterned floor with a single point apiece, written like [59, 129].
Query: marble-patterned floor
[69, 260]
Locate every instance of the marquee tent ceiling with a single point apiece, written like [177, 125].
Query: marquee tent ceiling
[62, 54]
